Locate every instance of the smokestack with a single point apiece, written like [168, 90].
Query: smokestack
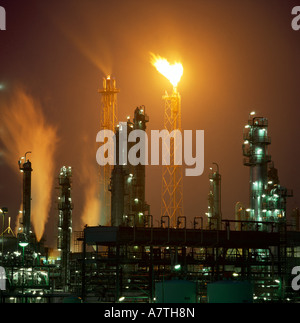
[26, 169]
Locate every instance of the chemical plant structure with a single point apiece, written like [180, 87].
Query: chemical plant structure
[248, 259]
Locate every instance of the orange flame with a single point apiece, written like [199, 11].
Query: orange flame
[172, 72]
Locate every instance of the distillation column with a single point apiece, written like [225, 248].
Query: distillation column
[127, 186]
[117, 187]
[267, 196]
[275, 197]
[108, 122]
[255, 150]
[139, 206]
[65, 207]
[214, 200]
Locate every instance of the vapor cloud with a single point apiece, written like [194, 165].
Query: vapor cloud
[24, 128]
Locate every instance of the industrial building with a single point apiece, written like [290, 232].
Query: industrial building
[248, 259]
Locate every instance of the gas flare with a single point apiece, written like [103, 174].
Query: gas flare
[24, 128]
[172, 72]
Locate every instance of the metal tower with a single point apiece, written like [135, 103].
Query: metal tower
[267, 196]
[255, 149]
[108, 122]
[127, 186]
[65, 207]
[138, 204]
[172, 178]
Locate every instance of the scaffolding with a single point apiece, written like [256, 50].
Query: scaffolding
[126, 271]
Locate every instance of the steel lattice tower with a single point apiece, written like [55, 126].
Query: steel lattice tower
[108, 122]
[172, 179]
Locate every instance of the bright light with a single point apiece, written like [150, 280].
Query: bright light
[252, 113]
[177, 267]
[121, 299]
[172, 72]
[235, 274]
[23, 244]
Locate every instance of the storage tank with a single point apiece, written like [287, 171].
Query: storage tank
[176, 291]
[230, 292]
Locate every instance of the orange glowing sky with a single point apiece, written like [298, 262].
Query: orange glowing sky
[238, 56]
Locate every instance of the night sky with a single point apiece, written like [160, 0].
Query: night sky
[238, 56]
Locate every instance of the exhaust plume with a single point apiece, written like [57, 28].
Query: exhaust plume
[87, 36]
[24, 128]
[89, 176]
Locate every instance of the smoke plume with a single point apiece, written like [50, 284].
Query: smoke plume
[89, 177]
[24, 128]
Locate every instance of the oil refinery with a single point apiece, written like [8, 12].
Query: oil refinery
[247, 259]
